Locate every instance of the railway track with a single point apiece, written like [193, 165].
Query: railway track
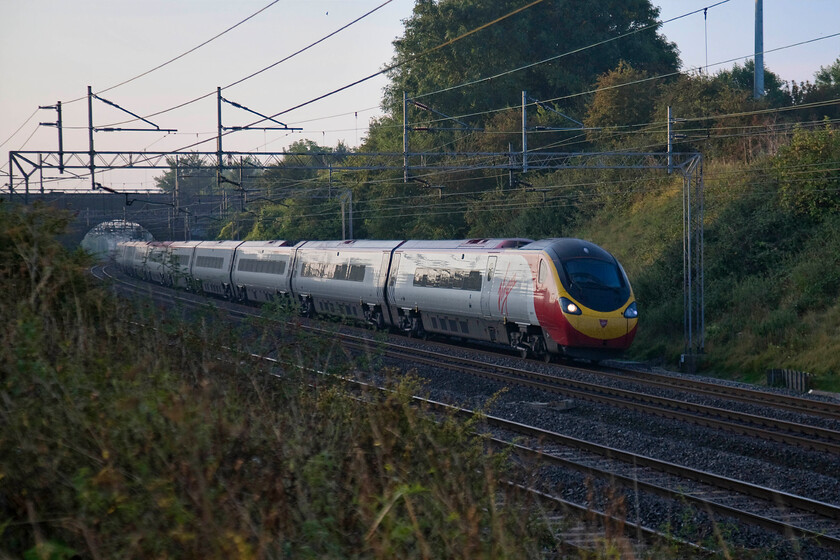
[751, 504]
[685, 384]
[803, 435]
[784, 513]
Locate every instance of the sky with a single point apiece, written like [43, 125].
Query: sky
[52, 50]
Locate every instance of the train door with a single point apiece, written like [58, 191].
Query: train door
[487, 286]
[392, 278]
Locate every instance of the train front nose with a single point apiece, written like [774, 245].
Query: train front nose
[588, 328]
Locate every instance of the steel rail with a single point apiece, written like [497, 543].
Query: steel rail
[719, 418]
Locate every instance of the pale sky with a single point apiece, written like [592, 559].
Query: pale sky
[52, 50]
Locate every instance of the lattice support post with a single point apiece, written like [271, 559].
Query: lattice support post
[694, 316]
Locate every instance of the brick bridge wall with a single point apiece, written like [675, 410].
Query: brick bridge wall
[152, 211]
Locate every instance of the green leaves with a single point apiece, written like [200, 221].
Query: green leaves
[808, 171]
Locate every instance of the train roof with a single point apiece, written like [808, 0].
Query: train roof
[269, 243]
[219, 244]
[569, 248]
[466, 244]
[352, 244]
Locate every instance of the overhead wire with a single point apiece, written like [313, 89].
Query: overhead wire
[627, 84]
[256, 73]
[182, 55]
[384, 70]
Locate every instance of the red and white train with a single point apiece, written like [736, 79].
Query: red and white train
[564, 296]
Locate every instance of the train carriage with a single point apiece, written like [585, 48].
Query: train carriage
[451, 287]
[125, 255]
[583, 299]
[179, 264]
[158, 261]
[211, 266]
[344, 278]
[262, 270]
[134, 260]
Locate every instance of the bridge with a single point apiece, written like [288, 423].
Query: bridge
[154, 211]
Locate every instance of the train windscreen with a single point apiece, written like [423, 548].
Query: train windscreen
[595, 283]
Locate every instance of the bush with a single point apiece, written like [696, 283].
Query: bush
[807, 172]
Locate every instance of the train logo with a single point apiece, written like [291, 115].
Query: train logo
[505, 288]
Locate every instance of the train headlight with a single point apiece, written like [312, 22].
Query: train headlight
[568, 306]
[631, 312]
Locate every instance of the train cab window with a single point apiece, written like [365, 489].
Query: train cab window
[543, 272]
[594, 273]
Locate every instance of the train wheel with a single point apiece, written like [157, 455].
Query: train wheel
[378, 321]
[306, 307]
[417, 330]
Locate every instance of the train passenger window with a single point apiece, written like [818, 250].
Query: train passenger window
[448, 278]
[204, 261]
[356, 273]
[263, 266]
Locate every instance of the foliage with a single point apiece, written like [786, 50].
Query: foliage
[191, 174]
[807, 171]
[742, 78]
[624, 98]
[546, 30]
[828, 75]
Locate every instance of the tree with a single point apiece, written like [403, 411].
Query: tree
[549, 30]
[818, 96]
[828, 76]
[624, 98]
[195, 177]
[297, 198]
[742, 78]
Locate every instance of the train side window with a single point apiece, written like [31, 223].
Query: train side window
[543, 272]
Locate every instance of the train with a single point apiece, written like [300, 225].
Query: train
[560, 297]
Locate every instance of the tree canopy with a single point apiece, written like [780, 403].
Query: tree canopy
[552, 30]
